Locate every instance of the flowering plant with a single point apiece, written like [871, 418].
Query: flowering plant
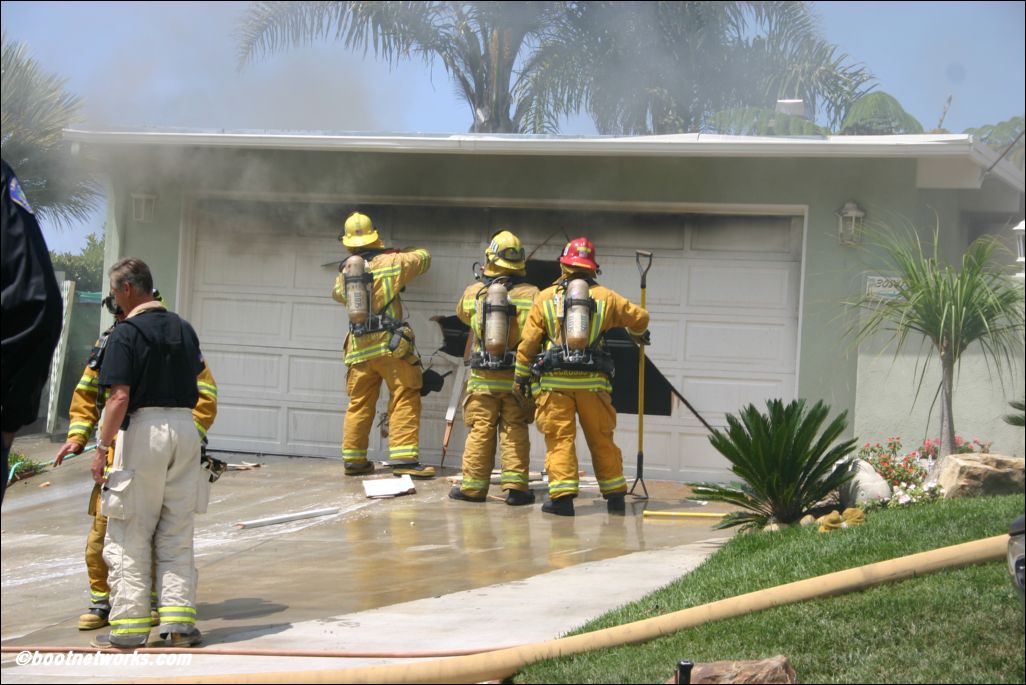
[929, 448]
[893, 468]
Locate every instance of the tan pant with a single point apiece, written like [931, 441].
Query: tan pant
[150, 501]
[363, 383]
[557, 410]
[96, 567]
[488, 414]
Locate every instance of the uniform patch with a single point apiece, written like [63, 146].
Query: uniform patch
[18, 196]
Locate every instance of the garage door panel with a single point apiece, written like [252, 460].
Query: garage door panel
[446, 279]
[223, 319]
[320, 324]
[764, 235]
[743, 285]
[663, 286]
[737, 344]
[242, 373]
[246, 426]
[317, 378]
[666, 336]
[253, 266]
[722, 396]
[315, 432]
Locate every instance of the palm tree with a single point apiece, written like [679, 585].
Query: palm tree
[35, 109]
[952, 309]
[477, 42]
[1005, 137]
[667, 67]
[878, 114]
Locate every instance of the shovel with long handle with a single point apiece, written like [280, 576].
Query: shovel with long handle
[640, 473]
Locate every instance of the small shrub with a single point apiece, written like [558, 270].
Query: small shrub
[21, 466]
[785, 461]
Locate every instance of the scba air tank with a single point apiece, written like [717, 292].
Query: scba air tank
[357, 291]
[578, 314]
[496, 319]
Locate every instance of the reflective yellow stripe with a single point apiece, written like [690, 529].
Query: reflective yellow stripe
[207, 389]
[591, 382]
[559, 487]
[355, 356]
[186, 610]
[514, 477]
[354, 455]
[199, 427]
[474, 484]
[611, 485]
[403, 451]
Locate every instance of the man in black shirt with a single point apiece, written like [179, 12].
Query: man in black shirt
[153, 490]
[31, 313]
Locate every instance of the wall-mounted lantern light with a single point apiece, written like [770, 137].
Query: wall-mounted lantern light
[849, 223]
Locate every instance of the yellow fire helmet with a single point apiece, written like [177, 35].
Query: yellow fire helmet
[506, 253]
[359, 231]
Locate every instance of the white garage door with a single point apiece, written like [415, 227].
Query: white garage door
[723, 292]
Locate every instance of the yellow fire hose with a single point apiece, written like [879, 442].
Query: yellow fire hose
[676, 514]
[505, 662]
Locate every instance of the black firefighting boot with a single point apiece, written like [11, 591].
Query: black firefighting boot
[518, 498]
[563, 506]
[456, 493]
[615, 504]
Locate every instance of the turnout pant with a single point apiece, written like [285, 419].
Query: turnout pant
[363, 383]
[150, 502]
[488, 414]
[556, 414]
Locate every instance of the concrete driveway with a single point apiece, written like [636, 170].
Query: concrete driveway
[415, 573]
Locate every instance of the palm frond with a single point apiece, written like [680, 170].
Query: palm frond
[35, 108]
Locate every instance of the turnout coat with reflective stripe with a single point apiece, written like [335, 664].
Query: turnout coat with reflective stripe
[543, 330]
[522, 296]
[84, 413]
[391, 271]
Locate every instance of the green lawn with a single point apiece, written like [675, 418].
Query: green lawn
[957, 626]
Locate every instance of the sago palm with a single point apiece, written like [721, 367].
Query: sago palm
[951, 308]
[786, 460]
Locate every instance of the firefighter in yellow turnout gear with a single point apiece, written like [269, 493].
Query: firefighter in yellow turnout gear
[562, 351]
[84, 415]
[495, 309]
[379, 347]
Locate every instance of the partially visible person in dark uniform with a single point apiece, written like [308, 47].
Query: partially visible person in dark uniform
[31, 303]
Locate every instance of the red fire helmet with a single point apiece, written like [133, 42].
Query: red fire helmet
[579, 252]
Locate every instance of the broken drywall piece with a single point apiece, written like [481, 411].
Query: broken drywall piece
[389, 487]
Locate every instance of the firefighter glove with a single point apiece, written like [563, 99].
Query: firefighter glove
[523, 385]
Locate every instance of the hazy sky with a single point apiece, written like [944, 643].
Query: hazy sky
[173, 64]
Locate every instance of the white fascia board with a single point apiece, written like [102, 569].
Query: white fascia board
[680, 145]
